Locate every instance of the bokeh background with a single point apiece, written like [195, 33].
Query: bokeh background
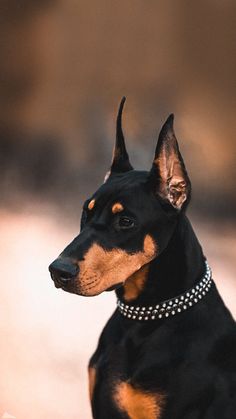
[65, 64]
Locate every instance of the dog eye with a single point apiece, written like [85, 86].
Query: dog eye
[126, 222]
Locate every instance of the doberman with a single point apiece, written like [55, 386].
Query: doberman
[169, 349]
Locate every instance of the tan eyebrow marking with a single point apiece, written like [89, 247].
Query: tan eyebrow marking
[117, 207]
[91, 204]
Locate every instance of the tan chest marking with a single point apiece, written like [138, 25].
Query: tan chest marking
[92, 381]
[135, 283]
[138, 404]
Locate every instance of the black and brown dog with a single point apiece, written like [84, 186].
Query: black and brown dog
[169, 349]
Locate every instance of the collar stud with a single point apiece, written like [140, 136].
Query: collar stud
[172, 306]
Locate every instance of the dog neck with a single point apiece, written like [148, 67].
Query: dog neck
[179, 267]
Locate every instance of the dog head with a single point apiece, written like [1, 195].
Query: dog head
[128, 221]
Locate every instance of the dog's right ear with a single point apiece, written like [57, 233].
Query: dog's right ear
[120, 161]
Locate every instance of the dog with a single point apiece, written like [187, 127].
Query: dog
[169, 349]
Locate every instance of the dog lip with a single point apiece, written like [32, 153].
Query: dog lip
[58, 283]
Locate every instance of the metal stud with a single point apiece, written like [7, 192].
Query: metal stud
[172, 306]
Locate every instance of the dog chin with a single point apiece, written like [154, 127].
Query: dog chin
[93, 292]
[114, 287]
[80, 292]
[83, 292]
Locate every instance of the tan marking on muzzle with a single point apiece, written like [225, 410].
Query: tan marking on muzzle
[136, 403]
[101, 269]
[117, 207]
[135, 283]
[91, 204]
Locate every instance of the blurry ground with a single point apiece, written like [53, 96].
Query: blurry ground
[47, 335]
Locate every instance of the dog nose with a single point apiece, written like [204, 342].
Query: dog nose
[63, 270]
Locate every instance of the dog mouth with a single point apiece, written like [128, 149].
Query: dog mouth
[74, 287]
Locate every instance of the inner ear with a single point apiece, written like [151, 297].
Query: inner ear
[168, 172]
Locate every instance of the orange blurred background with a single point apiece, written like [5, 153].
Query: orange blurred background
[65, 65]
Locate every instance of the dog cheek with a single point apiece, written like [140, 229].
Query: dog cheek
[102, 269]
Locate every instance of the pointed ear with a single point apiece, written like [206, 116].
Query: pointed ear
[168, 174]
[120, 161]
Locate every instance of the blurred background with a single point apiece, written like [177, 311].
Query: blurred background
[65, 64]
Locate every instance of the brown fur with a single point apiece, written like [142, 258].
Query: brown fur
[92, 381]
[101, 269]
[136, 403]
[135, 283]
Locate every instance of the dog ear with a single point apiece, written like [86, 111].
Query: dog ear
[168, 171]
[120, 161]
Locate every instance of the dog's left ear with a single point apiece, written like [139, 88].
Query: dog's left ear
[168, 175]
[120, 161]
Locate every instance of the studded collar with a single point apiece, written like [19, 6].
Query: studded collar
[169, 307]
